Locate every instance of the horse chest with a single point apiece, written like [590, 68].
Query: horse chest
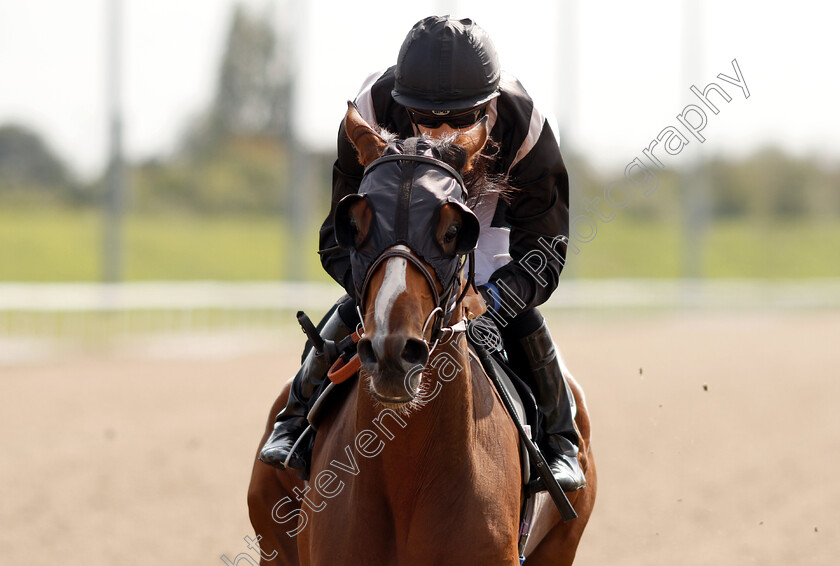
[416, 489]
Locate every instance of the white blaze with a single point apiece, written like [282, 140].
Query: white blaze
[393, 285]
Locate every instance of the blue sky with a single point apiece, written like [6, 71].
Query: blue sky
[614, 73]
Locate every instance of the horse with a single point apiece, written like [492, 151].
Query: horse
[419, 464]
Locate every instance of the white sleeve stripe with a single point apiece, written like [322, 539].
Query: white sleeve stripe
[364, 100]
[534, 131]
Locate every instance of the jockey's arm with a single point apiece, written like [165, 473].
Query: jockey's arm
[347, 176]
[538, 216]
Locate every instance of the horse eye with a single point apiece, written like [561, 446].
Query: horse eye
[353, 224]
[451, 234]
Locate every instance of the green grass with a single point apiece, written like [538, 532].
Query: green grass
[65, 245]
[50, 245]
[774, 250]
[623, 248]
[630, 247]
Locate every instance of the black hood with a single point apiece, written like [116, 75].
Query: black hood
[405, 192]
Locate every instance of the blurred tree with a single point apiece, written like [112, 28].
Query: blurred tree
[252, 89]
[26, 161]
[768, 184]
[233, 157]
[772, 184]
[251, 93]
[830, 190]
[32, 174]
[244, 177]
[730, 189]
[778, 182]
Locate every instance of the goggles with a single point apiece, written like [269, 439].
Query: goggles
[437, 118]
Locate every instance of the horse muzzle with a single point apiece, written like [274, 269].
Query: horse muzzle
[395, 363]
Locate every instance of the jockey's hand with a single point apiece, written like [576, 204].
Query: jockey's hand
[473, 304]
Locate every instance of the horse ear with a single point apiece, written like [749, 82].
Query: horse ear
[367, 142]
[473, 140]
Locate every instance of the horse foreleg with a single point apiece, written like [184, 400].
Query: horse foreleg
[272, 507]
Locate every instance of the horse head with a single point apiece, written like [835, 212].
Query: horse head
[407, 231]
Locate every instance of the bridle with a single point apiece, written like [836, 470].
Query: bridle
[446, 300]
[444, 305]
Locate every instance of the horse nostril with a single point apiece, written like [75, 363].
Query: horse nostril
[415, 352]
[366, 354]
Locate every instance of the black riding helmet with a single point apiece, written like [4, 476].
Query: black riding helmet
[445, 66]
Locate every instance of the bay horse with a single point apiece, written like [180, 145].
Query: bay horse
[419, 464]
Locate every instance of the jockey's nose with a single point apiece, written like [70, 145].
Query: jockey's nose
[394, 352]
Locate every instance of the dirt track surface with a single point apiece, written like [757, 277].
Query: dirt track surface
[717, 438]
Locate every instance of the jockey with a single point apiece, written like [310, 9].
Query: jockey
[446, 79]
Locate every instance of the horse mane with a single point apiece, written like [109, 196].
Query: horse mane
[479, 181]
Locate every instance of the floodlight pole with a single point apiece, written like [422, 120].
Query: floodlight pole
[112, 268]
[694, 186]
[298, 180]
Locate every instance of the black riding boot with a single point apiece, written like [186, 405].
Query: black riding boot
[557, 406]
[280, 450]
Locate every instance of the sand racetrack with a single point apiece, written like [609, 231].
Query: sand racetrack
[717, 438]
